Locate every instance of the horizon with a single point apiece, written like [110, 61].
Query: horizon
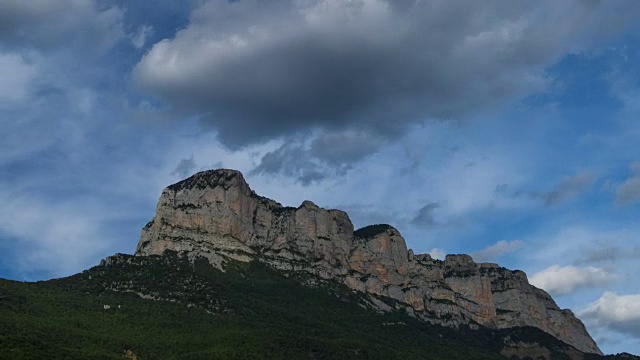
[506, 131]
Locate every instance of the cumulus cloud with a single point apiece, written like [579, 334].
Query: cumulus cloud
[51, 54]
[48, 69]
[613, 311]
[561, 280]
[628, 192]
[260, 70]
[496, 250]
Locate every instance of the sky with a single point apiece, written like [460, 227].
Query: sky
[508, 130]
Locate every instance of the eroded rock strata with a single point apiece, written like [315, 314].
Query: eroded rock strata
[214, 214]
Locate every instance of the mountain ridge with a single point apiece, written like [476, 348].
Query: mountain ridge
[214, 214]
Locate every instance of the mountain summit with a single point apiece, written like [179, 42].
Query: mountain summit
[215, 215]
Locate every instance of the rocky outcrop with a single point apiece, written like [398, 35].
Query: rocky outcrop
[214, 214]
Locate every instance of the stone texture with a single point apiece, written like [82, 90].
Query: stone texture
[214, 214]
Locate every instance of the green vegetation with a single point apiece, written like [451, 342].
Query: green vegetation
[283, 210]
[370, 231]
[248, 312]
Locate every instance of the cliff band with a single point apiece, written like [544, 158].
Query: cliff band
[214, 214]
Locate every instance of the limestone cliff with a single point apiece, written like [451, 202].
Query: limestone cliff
[214, 214]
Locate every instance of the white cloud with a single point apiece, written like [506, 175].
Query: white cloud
[140, 37]
[437, 253]
[613, 311]
[50, 84]
[496, 250]
[561, 280]
[60, 239]
[17, 76]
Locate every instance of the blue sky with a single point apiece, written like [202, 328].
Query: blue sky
[507, 130]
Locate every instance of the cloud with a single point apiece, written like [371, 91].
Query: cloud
[628, 192]
[67, 142]
[56, 58]
[567, 189]
[561, 280]
[17, 77]
[496, 250]
[185, 167]
[467, 179]
[48, 25]
[140, 37]
[291, 159]
[57, 238]
[260, 70]
[437, 253]
[617, 312]
[324, 154]
[425, 215]
[609, 254]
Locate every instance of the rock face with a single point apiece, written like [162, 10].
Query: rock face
[214, 214]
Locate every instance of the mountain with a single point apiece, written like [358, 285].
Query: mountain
[222, 272]
[170, 307]
[215, 215]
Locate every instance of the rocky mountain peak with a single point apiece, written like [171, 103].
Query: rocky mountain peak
[215, 215]
[309, 205]
[225, 178]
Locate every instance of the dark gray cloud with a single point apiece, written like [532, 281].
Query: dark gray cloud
[425, 216]
[259, 70]
[291, 160]
[185, 167]
[312, 160]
